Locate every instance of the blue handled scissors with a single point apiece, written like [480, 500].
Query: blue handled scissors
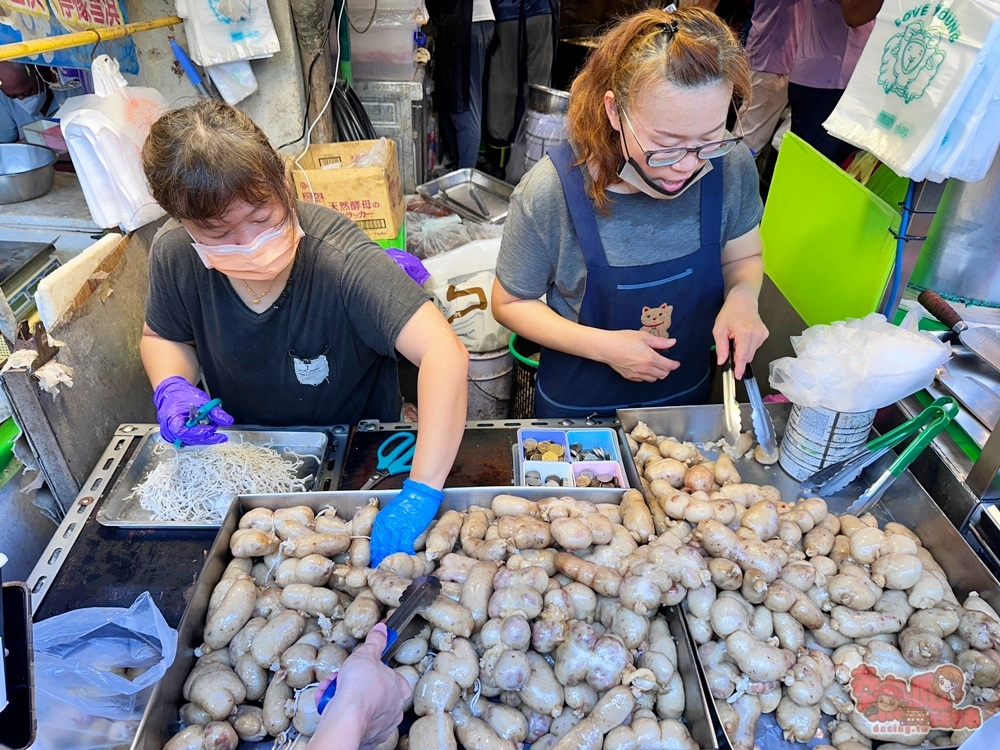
[199, 416]
[397, 461]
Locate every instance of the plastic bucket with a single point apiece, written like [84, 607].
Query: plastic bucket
[817, 437]
[522, 396]
[491, 375]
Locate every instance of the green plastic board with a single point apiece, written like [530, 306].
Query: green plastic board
[827, 241]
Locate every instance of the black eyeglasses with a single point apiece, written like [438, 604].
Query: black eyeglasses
[664, 157]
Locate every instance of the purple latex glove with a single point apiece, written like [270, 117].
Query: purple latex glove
[174, 399]
[411, 264]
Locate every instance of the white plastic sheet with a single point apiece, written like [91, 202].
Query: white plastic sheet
[859, 365]
[920, 69]
[104, 133]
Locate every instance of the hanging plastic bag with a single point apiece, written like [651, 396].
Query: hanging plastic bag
[223, 31]
[235, 80]
[462, 282]
[913, 76]
[859, 365]
[104, 133]
[94, 670]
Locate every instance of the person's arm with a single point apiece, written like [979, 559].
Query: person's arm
[633, 354]
[743, 272]
[428, 341]
[859, 12]
[163, 358]
[369, 701]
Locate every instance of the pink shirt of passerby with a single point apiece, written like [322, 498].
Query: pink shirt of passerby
[829, 49]
[774, 35]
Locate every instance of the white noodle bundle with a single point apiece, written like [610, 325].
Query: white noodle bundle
[199, 485]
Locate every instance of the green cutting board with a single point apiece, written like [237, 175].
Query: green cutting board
[827, 240]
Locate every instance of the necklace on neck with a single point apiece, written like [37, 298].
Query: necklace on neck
[257, 297]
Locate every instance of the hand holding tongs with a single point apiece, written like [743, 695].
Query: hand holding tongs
[942, 411]
[837, 476]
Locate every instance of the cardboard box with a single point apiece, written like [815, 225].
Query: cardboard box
[371, 196]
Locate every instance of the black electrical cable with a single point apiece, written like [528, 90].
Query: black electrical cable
[370, 21]
[359, 110]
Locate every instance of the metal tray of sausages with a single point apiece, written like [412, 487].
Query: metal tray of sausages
[905, 502]
[122, 508]
[160, 719]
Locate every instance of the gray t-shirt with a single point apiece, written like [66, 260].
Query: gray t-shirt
[346, 300]
[540, 254]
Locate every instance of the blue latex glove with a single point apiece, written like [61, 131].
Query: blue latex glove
[399, 523]
[174, 399]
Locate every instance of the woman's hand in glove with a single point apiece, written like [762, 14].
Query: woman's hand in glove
[400, 522]
[175, 399]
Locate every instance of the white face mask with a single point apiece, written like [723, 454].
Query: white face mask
[631, 173]
[32, 105]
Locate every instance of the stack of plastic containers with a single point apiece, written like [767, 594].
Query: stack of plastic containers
[383, 38]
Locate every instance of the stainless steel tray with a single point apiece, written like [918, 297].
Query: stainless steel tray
[160, 719]
[905, 502]
[472, 194]
[123, 510]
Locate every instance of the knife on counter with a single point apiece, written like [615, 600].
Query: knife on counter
[982, 341]
[400, 625]
[762, 425]
[982, 402]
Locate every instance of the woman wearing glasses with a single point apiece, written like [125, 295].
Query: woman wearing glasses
[643, 234]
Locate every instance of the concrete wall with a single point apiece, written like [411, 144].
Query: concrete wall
[277, 106]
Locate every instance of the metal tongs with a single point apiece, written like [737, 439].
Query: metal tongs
[762, 425]
[730, 406]
[400, 625]
[835, 477]
[914, 449]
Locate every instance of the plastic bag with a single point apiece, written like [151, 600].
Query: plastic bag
[411, 265]
[235, 80]
[223, 31]
[94, 670]
[859, 365]
[104, 133]
[462, 282]
[427, 237]
[912, 78]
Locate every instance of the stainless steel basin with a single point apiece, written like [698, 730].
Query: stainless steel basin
[26, 171]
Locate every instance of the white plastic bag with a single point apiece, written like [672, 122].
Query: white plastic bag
[235, 80]
[104, 133]
[94, 670]
[859, 365]
[914, 74]
[462, 281]
[222, 31]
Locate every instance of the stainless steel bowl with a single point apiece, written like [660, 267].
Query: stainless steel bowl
[26, 171]
[547, 101]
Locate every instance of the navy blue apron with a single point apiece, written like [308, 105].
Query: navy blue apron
[677, 298]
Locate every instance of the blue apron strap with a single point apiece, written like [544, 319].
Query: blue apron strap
[580, 209]
[711, 205]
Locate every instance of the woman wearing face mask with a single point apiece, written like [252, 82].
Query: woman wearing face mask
[643, 234]
[289, 311]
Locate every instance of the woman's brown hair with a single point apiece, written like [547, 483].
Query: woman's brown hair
[686, 47]
[201, 159]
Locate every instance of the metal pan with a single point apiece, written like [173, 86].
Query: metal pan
[160, 719]
[123, 510]
[472, 194]
[906, 502]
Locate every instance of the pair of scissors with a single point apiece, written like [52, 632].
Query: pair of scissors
[399, 460]
[199, 416]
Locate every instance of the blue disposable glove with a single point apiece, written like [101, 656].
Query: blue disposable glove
[399, 523]
[174, 399]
